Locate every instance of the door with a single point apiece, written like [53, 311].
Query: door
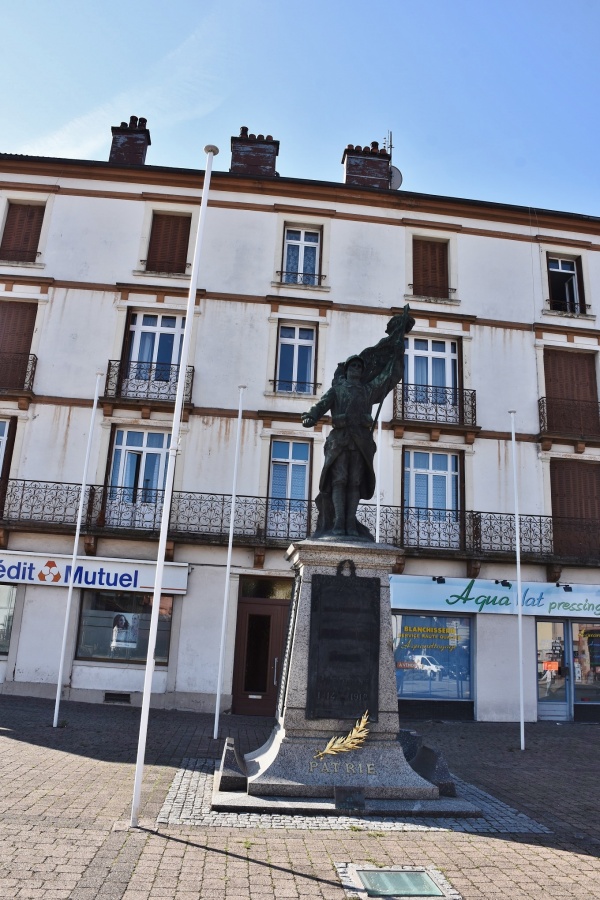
[259, 645]
[554, 687]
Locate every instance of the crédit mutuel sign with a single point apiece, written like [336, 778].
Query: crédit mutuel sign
[54, 570]
[460, 596]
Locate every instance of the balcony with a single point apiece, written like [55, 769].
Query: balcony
[307, 279]
[145, 383]
[437, 408]
[573, 421]
[17, 371]
[205, 517]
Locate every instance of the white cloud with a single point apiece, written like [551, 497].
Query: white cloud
[181, 86]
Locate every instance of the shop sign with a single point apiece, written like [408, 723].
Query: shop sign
[54, 570]
[470, 595]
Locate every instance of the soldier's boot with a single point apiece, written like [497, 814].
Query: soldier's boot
[338, 495]
[352, 500]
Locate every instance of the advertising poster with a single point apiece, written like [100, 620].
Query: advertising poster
[125, 631]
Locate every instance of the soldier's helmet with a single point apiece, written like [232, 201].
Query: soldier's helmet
[352, 359]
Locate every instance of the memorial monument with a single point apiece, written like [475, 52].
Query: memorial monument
[337, 732]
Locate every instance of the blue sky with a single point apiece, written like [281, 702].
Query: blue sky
[486, 99]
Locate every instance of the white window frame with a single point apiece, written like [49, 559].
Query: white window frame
[296, 342]
[432, 525]
[3, 440]
[137, 493]
[573, 305]
[288, 516]
[289, 461]
[307, 279]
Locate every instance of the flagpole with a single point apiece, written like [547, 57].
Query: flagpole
[519, 592]
[378, 482]
[63, 648]
[210, 151]
[242, 388]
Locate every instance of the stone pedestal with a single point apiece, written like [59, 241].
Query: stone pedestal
[339, 664]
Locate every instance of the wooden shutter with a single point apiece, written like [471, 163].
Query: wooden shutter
[21, 232]
[17, 321]
[575, 489]
[430, 268]
[167, 250]
[571, 393]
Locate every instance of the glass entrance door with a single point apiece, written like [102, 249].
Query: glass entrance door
[553, 670]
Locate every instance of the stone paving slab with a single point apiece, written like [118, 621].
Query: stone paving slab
[190, 802]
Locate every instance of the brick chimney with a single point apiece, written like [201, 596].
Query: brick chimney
[253, 154]
[367, 166]
[130, 142]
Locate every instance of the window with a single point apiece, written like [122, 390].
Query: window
[21, 232]
[296, 358]
[301, 256]
[114, 626]
[575, 492]
[431, 499]
[137, 480]
[3, 440]
[7, 609]
[288, 504]
[430, 269]
[565, 282]
[432, 655]
[430, 380]
[153, 356]
[168, 247]
[571, 403]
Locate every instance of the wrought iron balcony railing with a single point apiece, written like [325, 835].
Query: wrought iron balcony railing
[571, 418]
[425, 403]
[146, 381]
[295, 387]
[306, 278]
[206, 517]
[17, 371]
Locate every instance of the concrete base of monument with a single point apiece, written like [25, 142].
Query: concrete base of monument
[286, 767]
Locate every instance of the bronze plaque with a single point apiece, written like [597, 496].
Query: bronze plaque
[343, 657]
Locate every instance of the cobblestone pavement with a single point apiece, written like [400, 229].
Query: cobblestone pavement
[66, 794]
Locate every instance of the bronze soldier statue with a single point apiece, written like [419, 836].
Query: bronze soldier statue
[348, 474]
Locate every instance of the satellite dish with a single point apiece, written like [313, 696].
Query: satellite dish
[395, 178]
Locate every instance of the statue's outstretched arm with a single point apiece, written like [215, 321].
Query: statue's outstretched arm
[313, 415]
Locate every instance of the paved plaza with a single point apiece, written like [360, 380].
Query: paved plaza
[66, 795]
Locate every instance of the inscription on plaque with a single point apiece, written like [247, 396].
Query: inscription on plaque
[343, 657]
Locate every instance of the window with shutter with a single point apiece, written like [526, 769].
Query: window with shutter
[168, 247]
[571, 393]
[575, 490]
[17, 321]
[430, 268]
[21, 234]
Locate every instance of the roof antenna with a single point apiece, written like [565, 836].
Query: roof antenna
[387, 144]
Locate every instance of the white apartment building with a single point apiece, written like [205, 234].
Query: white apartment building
[296, 276]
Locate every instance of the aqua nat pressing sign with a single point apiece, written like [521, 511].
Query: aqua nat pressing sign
[104, 574]
[463, 595]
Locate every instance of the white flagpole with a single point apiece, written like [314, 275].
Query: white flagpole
[378, 482]
[519, 592]
[210, 151]
[63, 648]
[242, 388]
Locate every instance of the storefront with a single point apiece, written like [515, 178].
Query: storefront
[455, 649]
[108, 628]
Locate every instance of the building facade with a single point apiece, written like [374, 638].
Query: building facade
[296, 275]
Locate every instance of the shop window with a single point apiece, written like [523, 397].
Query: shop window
[565, 283]
[432, 656]
[7, 609]
[153, 353]
[288, 504]
[168, 245]
[586, 661]
[301, 256]
[431, 499]
[137, 480]
[296, 359]
[114, 627]
[430, 269]
[21, 234]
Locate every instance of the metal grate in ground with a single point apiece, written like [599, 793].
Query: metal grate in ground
[189, 798]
